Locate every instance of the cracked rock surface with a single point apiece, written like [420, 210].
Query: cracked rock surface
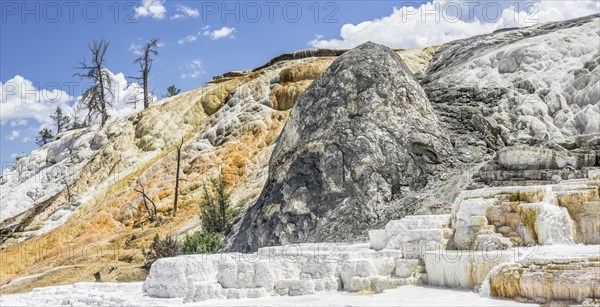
[362, 135]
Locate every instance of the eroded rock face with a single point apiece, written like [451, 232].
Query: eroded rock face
[362, 135]
[532, 85]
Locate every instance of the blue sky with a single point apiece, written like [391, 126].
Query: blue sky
[40, 47]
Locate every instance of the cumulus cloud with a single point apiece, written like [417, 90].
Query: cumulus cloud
[185, 11]
[13, 135]
[18, 122]
[441, 21]
[224, 32]
[187, 39]
[20, 99]
[151, 8]
[135, 49]
[192, 70]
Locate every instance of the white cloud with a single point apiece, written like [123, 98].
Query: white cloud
[13, 135]
[18, 122]
[187, 39]
[192, 70]
[26, 139]
[151, 8]
[20, 100]
[441, 21]
[220, 33]
[185, 11]
[214, 35]
[135, 49]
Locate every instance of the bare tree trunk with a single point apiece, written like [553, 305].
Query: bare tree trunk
[177, 178]
[151, 213]
[99, 52]
[69, 195]
[104, 115]
[146, 98]
[145, 60]
[94, 98]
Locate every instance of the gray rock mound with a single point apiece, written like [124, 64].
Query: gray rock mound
[363, 136]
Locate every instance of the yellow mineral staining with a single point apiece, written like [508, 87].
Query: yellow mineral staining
[505, 283]
[544, 281]
[584, 209]
[284, 96]
[293, 81]
[164, 193]
[528, 215]
[418, 60]
[305, 71]
[514, 215]
[234, 166]
[506, 218]
[526, 196]
[109, 228]
[112, 220]
[216, 94]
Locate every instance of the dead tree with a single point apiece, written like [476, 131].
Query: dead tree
[69, 194]
[145, 61]
[94, 97]
[151, 211]
[177, 178]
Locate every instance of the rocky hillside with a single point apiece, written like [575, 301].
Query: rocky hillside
[362, 134]
[516, 107]
[70, 208]
[379, 135]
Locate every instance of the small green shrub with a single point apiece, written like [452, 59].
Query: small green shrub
[201, 243]
[167, 247]
[216, 214]
[44, 137]
[215, 210]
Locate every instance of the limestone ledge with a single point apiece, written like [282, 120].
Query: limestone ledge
[284, 270]
[560, 281]
[503, 217]
[393, 258]
[410, 251]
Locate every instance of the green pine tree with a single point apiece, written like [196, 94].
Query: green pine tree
[44, 137]
[62, 121]
[172, 91]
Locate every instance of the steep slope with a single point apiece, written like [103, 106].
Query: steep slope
[362, 133]
[76, 208]
[521, 107]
